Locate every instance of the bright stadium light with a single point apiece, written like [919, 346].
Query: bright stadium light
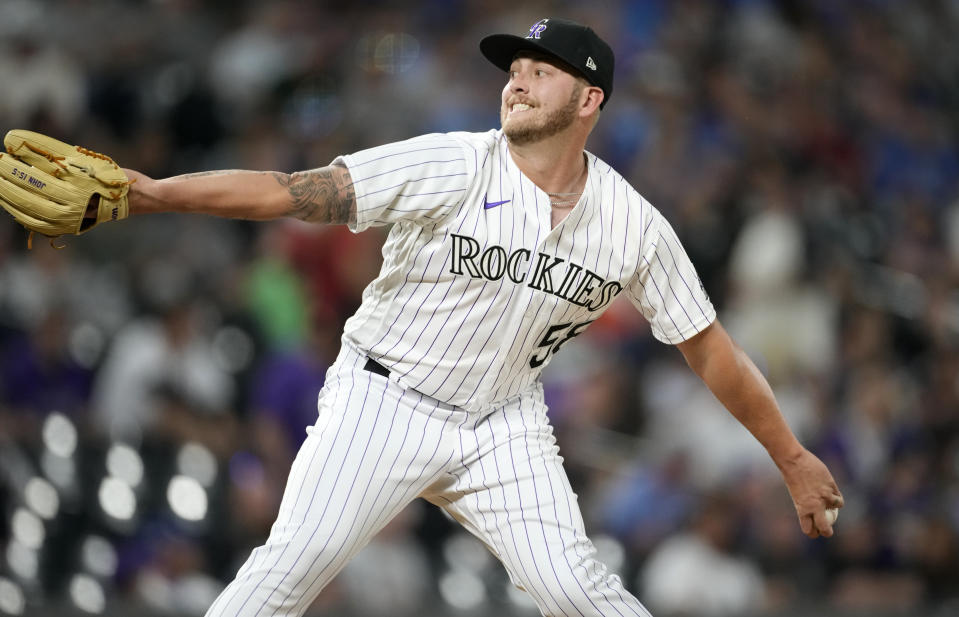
[610, 551]
[22, 560]
[28, 529]
[464, 552]
[42, 497]
[12, 600]
[196, 460]
[86, 343]
[87, 594]
[117, 499]
[233, 349]
[462, 590]
[59, 435]
[187, 498]
[98, 556]
[124, 462]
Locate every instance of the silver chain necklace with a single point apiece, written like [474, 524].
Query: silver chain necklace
[566, 200]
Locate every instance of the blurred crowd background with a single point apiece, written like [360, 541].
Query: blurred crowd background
[156, 375]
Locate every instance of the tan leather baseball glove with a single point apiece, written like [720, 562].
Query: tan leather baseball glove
[47, 185]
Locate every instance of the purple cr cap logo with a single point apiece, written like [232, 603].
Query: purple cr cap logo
[537, 30]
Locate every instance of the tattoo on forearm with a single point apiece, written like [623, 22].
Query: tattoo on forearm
[323, 195]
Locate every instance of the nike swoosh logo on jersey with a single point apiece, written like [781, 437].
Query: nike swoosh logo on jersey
[492, 204]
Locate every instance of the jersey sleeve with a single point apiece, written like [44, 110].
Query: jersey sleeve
[666, 288]
[418, 180]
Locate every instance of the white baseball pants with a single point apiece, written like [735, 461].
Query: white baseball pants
[375, 447]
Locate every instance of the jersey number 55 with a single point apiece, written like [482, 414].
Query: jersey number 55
[554, 338]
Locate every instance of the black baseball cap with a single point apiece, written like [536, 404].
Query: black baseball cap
[575, 44]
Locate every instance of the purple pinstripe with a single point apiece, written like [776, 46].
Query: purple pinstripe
[661, 297]
[601, 593]
[428, 293]
[313, 497]
[683, 278]
[283, 551]
[519, 356]
[402, 153]
[433, 314]
[544, 456]
[526, 378]
[403, 309]
[669, 284]
[339, 518]
[415, 487]
[517, 558]
[521, 562]
[407, 495]
[536, 242]
[529, 460]
[588, 555]
[383, 510]
[479, 323]
[411, 180]
[532, 591]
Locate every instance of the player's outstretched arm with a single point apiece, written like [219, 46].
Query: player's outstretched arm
[738, 384]
[55, 188]
[323, 195]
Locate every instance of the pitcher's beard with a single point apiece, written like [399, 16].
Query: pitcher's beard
[525, 133]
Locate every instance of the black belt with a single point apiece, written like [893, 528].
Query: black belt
[375, 367]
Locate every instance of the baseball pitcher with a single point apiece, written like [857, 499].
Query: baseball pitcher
[504, 246]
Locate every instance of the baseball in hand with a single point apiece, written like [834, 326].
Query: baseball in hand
[831, 515]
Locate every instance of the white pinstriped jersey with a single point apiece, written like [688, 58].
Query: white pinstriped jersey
[477, 292]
